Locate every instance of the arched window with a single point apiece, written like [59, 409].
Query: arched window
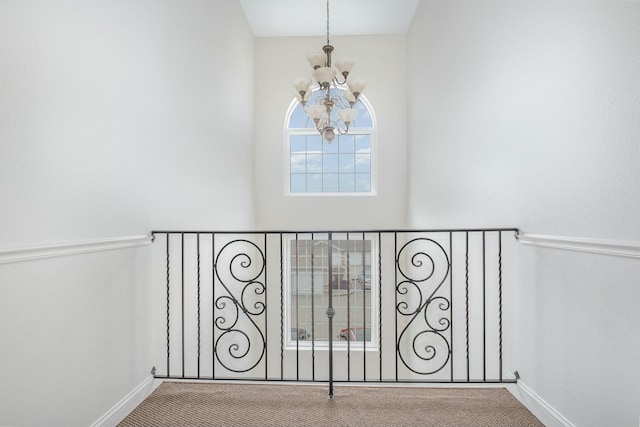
[346, 166]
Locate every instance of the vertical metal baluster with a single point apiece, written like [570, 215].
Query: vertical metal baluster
[484, 311]
[266, 317]
[467, 297]
[330, 314]
[198, 249]
[282, 335]
[364, 312]
[168, 311]
[396, 261]
[451, 296]
[213, 306]
[349, 311]
[297, 313]
[182, 248]
[500, 300]
[313, 309]
[379, 301]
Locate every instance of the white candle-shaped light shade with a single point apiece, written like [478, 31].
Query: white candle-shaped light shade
[315, 111]
[344, 65]
[324, 75]
[351, 99]
[317, 59]
[347, 115]
[302, 84]
[356, 86]
[306, 97]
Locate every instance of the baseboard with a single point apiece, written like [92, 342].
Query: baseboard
[128, 403]
[546, 413]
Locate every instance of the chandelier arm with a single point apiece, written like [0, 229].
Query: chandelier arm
[342, 131]
[338, 82]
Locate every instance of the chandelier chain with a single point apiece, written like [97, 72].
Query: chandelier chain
[328, 22]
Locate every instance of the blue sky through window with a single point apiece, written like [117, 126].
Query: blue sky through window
[315, 166]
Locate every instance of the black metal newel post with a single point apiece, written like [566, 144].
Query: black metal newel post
[330, 313]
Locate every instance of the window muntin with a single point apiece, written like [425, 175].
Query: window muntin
[354, 293]
[343, 167]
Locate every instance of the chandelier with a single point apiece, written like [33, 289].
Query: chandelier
[333, 99]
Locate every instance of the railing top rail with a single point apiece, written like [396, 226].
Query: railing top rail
[320, 231]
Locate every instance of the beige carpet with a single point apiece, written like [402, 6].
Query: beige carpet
[201, 405]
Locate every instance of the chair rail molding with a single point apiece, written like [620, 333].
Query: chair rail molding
[72, 248]
[621, 248]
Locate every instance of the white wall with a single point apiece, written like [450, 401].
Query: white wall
[74, 336]
[116, 117]
[381, 60]
[528, 115]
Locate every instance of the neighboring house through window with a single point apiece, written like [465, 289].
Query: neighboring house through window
[353, 289]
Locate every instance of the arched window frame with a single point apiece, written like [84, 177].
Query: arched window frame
[311, 131]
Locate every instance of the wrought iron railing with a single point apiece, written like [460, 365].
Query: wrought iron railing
[365, 306]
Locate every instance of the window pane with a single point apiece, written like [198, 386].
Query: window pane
[299, 118]
[363, 118]
[347, 183]
[330, 163]
[298, 144]
[347, 163]
[298, 163]
[314, 163]
[298, 183]
[330, 182]
[331, 148]
[314, 144]
[346, 143]
[363, 162]
[363, 182]
[314, 183]
[363, 144]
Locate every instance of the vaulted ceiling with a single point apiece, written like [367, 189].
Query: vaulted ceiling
[290, 18]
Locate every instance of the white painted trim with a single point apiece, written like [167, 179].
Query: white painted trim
[598, 246]
[546, 413]
[38, 252]
[128, 403]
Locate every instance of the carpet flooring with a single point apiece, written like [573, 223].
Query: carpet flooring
[179, 404]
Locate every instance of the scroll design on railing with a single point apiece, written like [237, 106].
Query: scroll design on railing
[424, 266]
[239, 269]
